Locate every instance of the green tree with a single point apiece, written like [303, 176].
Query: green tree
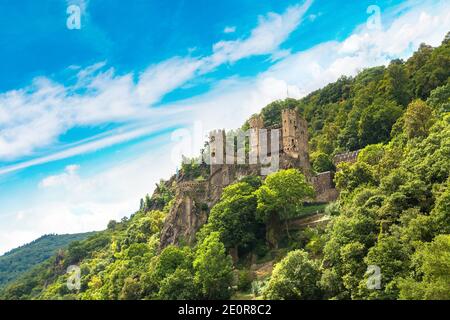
[272, 112]
[372, 154]
[351, 176]
[433, 278]
[147, 203]
[392, 257]
[396, 84]
[180, 285]
[279, 198]
[234, 216]
[294, 278]
[417, 119]
[439, 99]
[321, 162]
[170, 259]
[213, 268]
[131, 290]
[377, 120]
[440, 215]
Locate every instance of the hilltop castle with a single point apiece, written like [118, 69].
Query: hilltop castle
[194, 198]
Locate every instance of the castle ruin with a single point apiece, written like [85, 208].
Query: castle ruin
[289, 141]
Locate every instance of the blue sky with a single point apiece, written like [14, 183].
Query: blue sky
[90, 119]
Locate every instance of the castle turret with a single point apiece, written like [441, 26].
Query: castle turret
[217, 148]
[256, 123]
[295, 138]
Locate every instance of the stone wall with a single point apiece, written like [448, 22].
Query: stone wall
[324, 187]
[351, 157]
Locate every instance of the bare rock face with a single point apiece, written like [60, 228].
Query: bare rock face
[188, 214]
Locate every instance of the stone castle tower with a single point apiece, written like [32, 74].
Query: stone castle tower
[295, 138]
[256, 123]
[217, 152]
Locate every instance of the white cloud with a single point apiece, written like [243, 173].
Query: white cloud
[272, 30]
[66, 179]
[230, 29]
[34, 117]
[326, 62]
[165, 77]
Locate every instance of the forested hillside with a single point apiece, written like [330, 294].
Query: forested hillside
[20, 260]
[388, 235]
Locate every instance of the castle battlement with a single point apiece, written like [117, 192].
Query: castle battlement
[351, 157]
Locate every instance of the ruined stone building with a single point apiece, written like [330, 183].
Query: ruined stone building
[194, 198]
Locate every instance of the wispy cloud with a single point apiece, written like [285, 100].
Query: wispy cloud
[91, 144]
[272, 30]
[229, 29]
[62, 180]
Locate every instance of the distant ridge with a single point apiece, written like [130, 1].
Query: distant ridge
[20, 260]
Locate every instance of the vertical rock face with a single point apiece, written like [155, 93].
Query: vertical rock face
[194, 199]
[187, 215]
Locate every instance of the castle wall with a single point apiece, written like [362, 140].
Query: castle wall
[217, 146]
[324, 187]
[350, 157]
[256, 122]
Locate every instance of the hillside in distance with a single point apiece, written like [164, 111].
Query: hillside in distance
[20, 260]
